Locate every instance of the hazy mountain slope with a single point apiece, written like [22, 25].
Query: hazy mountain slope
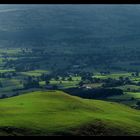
[108, 33]
[67, 23]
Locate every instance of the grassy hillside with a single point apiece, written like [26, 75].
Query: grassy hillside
[56, 113]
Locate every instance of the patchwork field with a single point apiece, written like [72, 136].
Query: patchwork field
[35, 73]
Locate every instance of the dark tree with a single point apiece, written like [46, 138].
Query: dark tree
[137, 74]
[138, 103]
[1, 85]
[47, 82]
[81, 83]
[3, 96]
[132, 74]
[70, 79]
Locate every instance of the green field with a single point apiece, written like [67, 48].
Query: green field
[128, 98]
[113, 75]
[129, 88]
[56, 113]
[65, 84]
[6, 70]
[34, 72]
[94, 85]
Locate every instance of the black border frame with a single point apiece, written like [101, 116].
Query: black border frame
[69, 1]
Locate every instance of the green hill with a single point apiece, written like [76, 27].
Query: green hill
[56, 113]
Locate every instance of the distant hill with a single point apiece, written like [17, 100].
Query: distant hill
[56, 113]
[104, 24]
[106, 35]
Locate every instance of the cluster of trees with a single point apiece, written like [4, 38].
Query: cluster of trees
[109, 82]
[1, 85]
[26, 67]
[135, 74]
[3, 96]
[46, 78]
[87, 76]
[31, 83]
[104, 72]
[7, 75]
[137, 105]
[116, 82]
[100, 93]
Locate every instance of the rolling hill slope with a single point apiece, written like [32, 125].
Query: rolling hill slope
[56, 113]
